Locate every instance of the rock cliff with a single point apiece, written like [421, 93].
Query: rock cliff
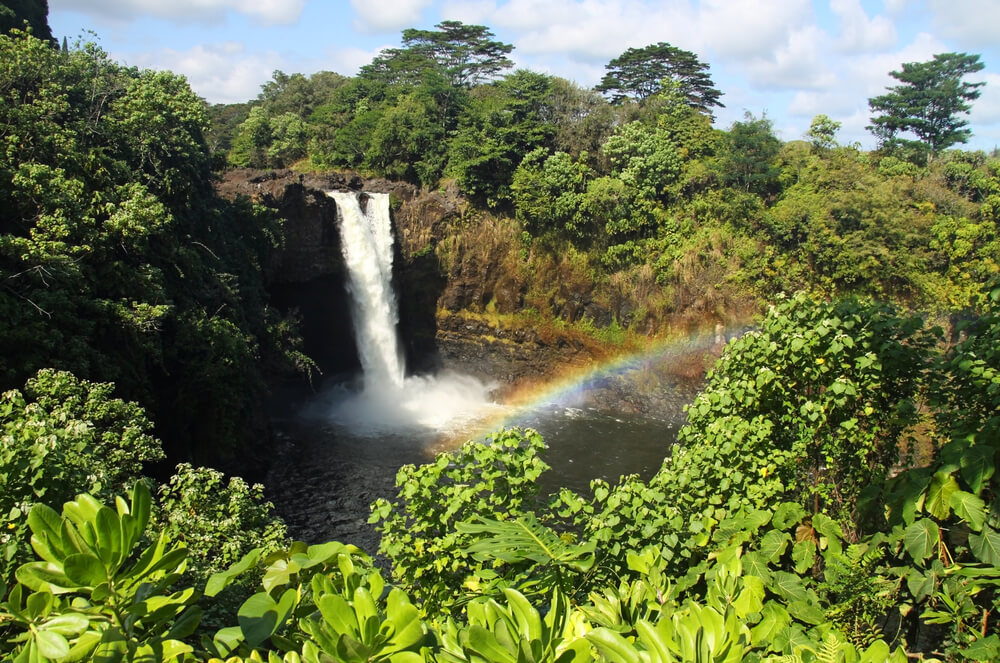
[306, 277]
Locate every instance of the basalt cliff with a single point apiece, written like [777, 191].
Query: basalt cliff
[453, 277]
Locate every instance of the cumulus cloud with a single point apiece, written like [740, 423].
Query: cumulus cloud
[971, 23]
[585, 32]
[858, 32]
[221, 73]
[271, 12]
[797, 63]
[378, 16]
[751, 28]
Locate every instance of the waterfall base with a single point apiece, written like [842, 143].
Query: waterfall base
[422, 405]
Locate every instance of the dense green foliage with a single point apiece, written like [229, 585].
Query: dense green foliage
[484, 571]
[118, 261]
[14, 14]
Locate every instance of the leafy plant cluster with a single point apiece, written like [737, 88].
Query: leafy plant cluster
[118, 261]
[693, 565]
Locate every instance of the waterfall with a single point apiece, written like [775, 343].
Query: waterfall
[367, 244]
[389, 402]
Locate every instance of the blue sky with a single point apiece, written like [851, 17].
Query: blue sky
[791, 59]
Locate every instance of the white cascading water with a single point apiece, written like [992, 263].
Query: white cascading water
[389, 402]
[367, 240]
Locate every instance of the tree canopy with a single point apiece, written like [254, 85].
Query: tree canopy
[15, 13]
[466, 54]
[640, 72]
[927, 103]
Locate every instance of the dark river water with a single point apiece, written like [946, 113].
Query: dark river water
[326, 473]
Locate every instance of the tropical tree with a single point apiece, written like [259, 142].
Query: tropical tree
[749, 161]
[823, 132]
[640, 72]
[503, 122]
[927, 103]
[466, 54]
[15, 13]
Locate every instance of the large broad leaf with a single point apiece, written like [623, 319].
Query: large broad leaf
[773, 545]
[978, 466]
[986, 546]
[51, 645]
[485, 643]
[774, 618]
[85, 570]
[525, 538]
[938, 501]
[969, 508]
[260, 616]
[218, 581]
[921, 538]
[789, 586]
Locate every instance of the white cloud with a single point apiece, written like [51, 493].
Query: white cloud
[858, 33]
[971, 23]
[584, 31]
[751, 28]
[221, 73]
[379, 16]
[271, 12]
[348, 61]
[468, 11]
[798, 63]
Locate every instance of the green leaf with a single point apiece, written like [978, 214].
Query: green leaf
[938, 502]
[525, 538]
[485, 643]
[51, 644]
[978, 466]
[789, 586]
[804, 555]
[218, 581]
[984, 649]
[986, 546]
[613, 646]
[969, 508]
[67, 624]
[772, 546]
[44, 577]
[921, 538]
[258, 618]
[85, 569]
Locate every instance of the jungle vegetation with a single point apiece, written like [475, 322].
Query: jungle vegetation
[832, 497]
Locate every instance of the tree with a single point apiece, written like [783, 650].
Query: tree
[15, 13]
[823, 132]
[927, 103]
[502, 122]
[640, 72]
[752, 148]
[466, 54]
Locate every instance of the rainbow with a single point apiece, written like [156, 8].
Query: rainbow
[679, 358]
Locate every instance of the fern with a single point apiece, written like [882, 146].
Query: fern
[830, 651]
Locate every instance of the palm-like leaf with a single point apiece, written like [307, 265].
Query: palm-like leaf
[525, 539]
